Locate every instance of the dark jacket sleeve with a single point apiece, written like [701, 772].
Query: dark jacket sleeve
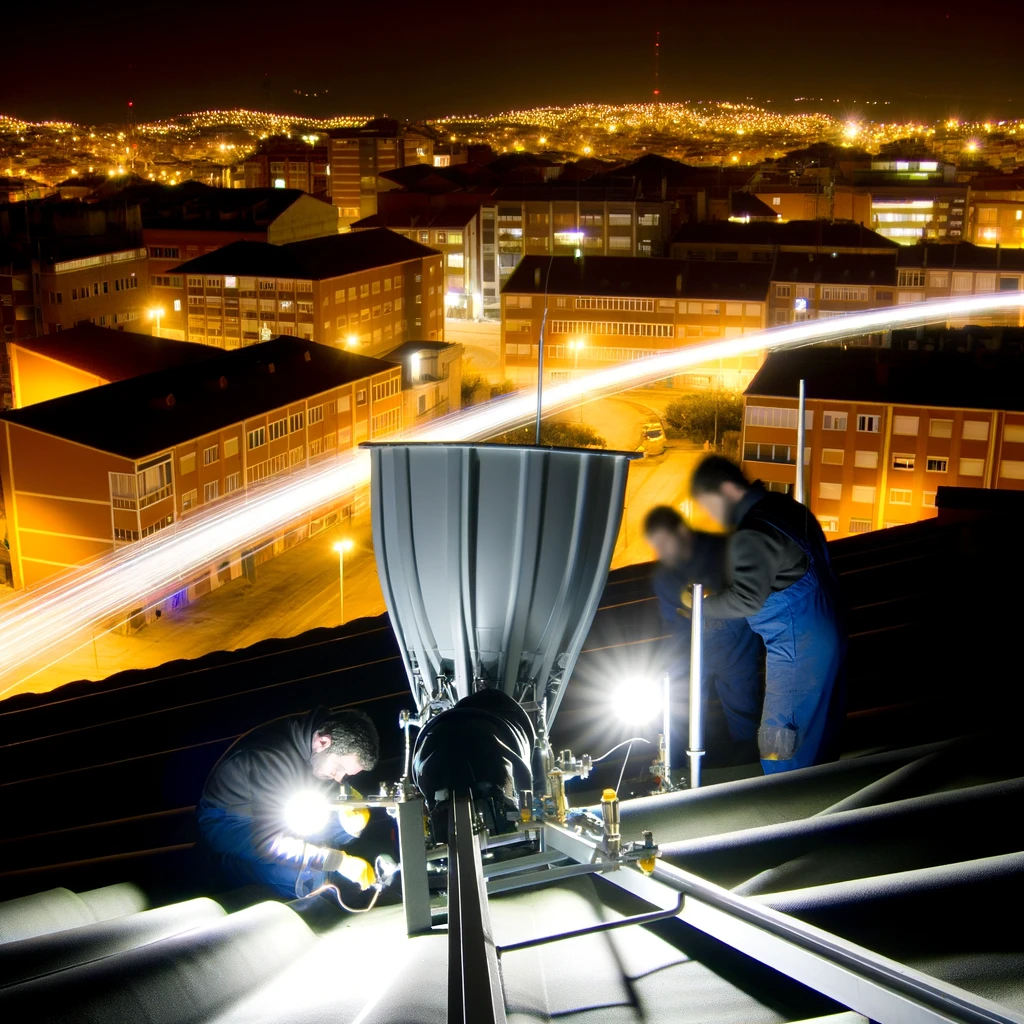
[753, 560]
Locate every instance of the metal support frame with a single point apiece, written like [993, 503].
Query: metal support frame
[475, 994]
[879, 988]
[508, 883]
[696, 748]
[412, 852]
[604, 926]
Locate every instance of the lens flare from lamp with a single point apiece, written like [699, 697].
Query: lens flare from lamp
[306, 813]
[637, 701]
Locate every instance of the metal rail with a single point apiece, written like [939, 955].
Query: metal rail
[882, 989]
[696, 749]
[475, 994]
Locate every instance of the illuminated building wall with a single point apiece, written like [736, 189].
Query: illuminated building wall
[605, 310]
[512, 228]
[110, 289]
[996, 216]
[234, 297]
[359, 155]
[454, 232]
[69, 499]
[817, 202]
[283, 163]
[872, 464]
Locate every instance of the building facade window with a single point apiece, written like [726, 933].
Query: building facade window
[975, 430]
[278, 428]
[868, 424]
[937, 464]
[211, 454]
[834, 421]
[903, 462]
[940, 428]
[900, 496]
[257, 437]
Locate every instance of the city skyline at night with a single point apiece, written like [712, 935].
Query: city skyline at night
[938, 61]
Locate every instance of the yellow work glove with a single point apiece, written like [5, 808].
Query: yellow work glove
[353, 819]
[357, 870]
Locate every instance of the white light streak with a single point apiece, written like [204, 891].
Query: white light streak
[103, 593]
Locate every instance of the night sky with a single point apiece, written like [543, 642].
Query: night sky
[429, 59]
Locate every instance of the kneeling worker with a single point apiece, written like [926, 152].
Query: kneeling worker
[242, 812]
[731, 650]
[781, 581]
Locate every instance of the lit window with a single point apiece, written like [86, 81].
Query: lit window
[864, 495]
[975, 430]
[903, 462]
[832, 456]
[177, 305]
[972, 467]
[940, 428]
[187, 464]
[899, 496]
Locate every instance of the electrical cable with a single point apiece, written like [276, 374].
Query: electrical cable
[344, 905]
[632, 739]
[625, 761]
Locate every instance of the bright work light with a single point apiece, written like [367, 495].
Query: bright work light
[637, 701]
[306, 812]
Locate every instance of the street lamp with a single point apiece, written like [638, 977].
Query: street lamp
[341, 547]
[154, 314]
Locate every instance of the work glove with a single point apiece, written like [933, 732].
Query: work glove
[353, 820]
[357, 870]
[686, 599]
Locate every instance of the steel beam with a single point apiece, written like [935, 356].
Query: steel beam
[524, 881]
[879, 988]
[870, 984]
[475, 994]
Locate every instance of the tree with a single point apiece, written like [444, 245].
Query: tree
[694, 416]
[556, 435]
[471, 383]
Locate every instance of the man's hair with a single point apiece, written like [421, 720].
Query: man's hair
[662, 517]
[353, 732]
[714, 471]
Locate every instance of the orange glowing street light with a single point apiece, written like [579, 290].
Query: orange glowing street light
[155, 314]
[342, 547]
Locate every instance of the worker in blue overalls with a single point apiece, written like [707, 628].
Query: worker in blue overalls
[732, 651]
[781, 581]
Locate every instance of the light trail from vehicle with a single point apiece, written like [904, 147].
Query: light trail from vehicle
[104, 593]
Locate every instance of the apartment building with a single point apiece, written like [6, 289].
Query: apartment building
[88, 356]
[815, 285]
[431, 379]
[606, 309]
[731, 242]
[92, 471]
[995, 214]
[358, 156]
[81, 262]
[284, 163]
[366, 291]
[815, 201]
[454, 231]
[936, 271]
[562, 220]
[190, 220]
[884, 430]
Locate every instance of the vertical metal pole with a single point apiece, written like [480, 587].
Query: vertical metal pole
[341, 583]
[413, 854]
[801, 417]
[666, 725]
[540, 366]
[696, 750]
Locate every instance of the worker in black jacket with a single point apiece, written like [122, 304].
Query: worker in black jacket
[288, 765]
[781, 581]
[731, 651]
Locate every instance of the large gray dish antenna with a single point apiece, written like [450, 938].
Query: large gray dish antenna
[492, 559]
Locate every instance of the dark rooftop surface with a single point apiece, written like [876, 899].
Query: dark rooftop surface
[116, 355]
[951, 380]
[133, 418]
[637, 277]
[449, 216]
[803, 233]
[314, 259]
[843, 268]
[960, 254]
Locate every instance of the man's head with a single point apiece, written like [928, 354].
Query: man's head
[718, 485]
[668, 535]
[344, 744]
